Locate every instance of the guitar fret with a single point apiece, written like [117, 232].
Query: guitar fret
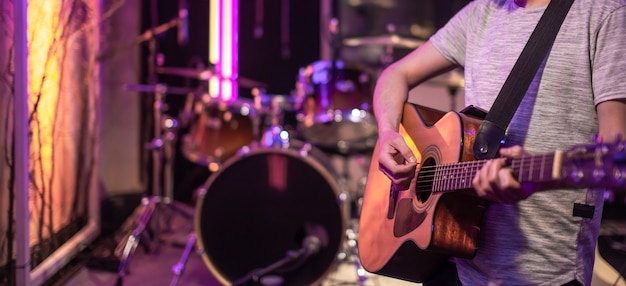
[448, 178]
[462, 177]
[469, 175]
[476, 168]
[444, 178]
[452, 179]
[456, 178]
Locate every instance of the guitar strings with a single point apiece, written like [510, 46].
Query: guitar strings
[521, 163]
[456, 175]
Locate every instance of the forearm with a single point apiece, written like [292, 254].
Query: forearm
[395, 81]
[612, 120]
[389, 99]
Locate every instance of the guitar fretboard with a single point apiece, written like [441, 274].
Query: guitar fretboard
[459, 176]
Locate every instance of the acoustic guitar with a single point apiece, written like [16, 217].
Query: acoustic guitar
[409, 234]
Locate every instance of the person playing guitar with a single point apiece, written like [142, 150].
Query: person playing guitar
[528, 231]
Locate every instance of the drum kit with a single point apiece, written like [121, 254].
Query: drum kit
[275, 210]
[274, 206]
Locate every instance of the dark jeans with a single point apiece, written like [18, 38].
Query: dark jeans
[448, 276]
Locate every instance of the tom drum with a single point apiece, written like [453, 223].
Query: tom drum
[337, 106]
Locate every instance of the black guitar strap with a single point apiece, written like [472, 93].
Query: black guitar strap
[492, 130]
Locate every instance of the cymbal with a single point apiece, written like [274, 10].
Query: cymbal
[157, 88]
[206, 74]
[384, 40]
[451, 79]
[199, 74]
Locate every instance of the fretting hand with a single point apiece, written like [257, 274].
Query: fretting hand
[495, 181]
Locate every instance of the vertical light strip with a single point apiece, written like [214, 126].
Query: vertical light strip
[215, 31]
[235, 48]
[229, 36]
[223, 48]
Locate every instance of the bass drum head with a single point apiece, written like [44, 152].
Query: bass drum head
[261, 205]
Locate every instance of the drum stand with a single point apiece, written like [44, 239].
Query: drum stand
[151, 206]
[179, 267]
[351, 253]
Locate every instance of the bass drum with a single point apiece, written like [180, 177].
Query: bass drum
[265, 204]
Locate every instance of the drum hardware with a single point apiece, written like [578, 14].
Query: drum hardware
[351, 200]
[179, 267]
[310, 245]
[274, 106]
[161, 147]
[352, 237]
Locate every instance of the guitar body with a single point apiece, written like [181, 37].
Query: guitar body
[409, 235]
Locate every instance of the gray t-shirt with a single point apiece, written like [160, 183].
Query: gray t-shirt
[538, 241]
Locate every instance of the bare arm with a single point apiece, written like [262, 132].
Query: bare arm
[612, 120]
[396, 80]
[394, 156]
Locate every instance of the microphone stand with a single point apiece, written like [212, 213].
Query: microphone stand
[148, 35]
[292, 255]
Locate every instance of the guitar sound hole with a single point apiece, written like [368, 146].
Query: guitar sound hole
[425, 177]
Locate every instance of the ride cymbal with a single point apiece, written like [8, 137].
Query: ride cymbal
[384, 40]
[206, 74]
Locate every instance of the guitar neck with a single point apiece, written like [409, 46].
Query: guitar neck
[458, 176]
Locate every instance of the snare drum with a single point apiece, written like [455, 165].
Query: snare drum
[264, 203]
[337, 112]
[220, 129]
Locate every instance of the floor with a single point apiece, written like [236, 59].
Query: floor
[152, 263]
[154, 266]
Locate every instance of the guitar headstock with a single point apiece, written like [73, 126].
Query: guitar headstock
[600, 165]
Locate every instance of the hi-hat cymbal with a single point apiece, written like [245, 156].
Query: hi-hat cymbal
[206, 74]
[384, 40]
[157, 88]
[451, 79]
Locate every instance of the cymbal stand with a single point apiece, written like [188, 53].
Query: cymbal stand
[452, 92]
[179, 267]
[162, 155]
[162, 197]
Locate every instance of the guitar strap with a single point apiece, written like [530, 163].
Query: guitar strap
[492, 130]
